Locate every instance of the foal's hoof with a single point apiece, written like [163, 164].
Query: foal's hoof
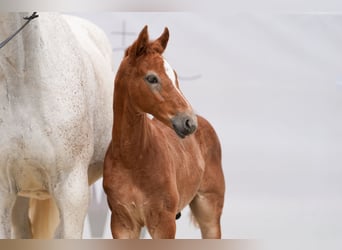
[178, 216]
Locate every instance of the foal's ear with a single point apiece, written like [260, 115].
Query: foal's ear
[163, 39]
[140, 45]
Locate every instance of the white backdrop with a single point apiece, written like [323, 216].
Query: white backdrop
[271, 84]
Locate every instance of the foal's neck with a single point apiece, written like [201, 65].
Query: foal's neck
[131, 129]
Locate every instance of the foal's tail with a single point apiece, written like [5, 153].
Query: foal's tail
[44, 217]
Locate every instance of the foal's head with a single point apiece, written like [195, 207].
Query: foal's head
[152, 85]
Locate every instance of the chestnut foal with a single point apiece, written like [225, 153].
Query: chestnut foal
[155, 167]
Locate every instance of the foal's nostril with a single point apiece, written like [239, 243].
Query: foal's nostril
[189, 125]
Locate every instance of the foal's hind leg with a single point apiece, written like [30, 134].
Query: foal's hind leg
[207, 209]
[208, 203]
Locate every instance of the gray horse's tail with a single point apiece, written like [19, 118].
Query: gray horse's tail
[44, 217]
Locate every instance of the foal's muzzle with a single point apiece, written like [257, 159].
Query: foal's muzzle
[184, 124]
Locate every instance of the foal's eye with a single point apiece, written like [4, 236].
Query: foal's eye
[152, 79]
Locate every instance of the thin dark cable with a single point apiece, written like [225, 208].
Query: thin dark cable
[33, 16]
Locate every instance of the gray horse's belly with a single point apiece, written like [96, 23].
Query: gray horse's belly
[26, 176]
[27, 164]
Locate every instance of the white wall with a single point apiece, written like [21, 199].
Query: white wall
[271, 84]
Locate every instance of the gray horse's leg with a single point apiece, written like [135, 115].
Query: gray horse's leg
[72, 198]
[20, 219]
[7, 201]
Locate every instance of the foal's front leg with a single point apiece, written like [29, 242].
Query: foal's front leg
[123, 226]
[161, 224]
